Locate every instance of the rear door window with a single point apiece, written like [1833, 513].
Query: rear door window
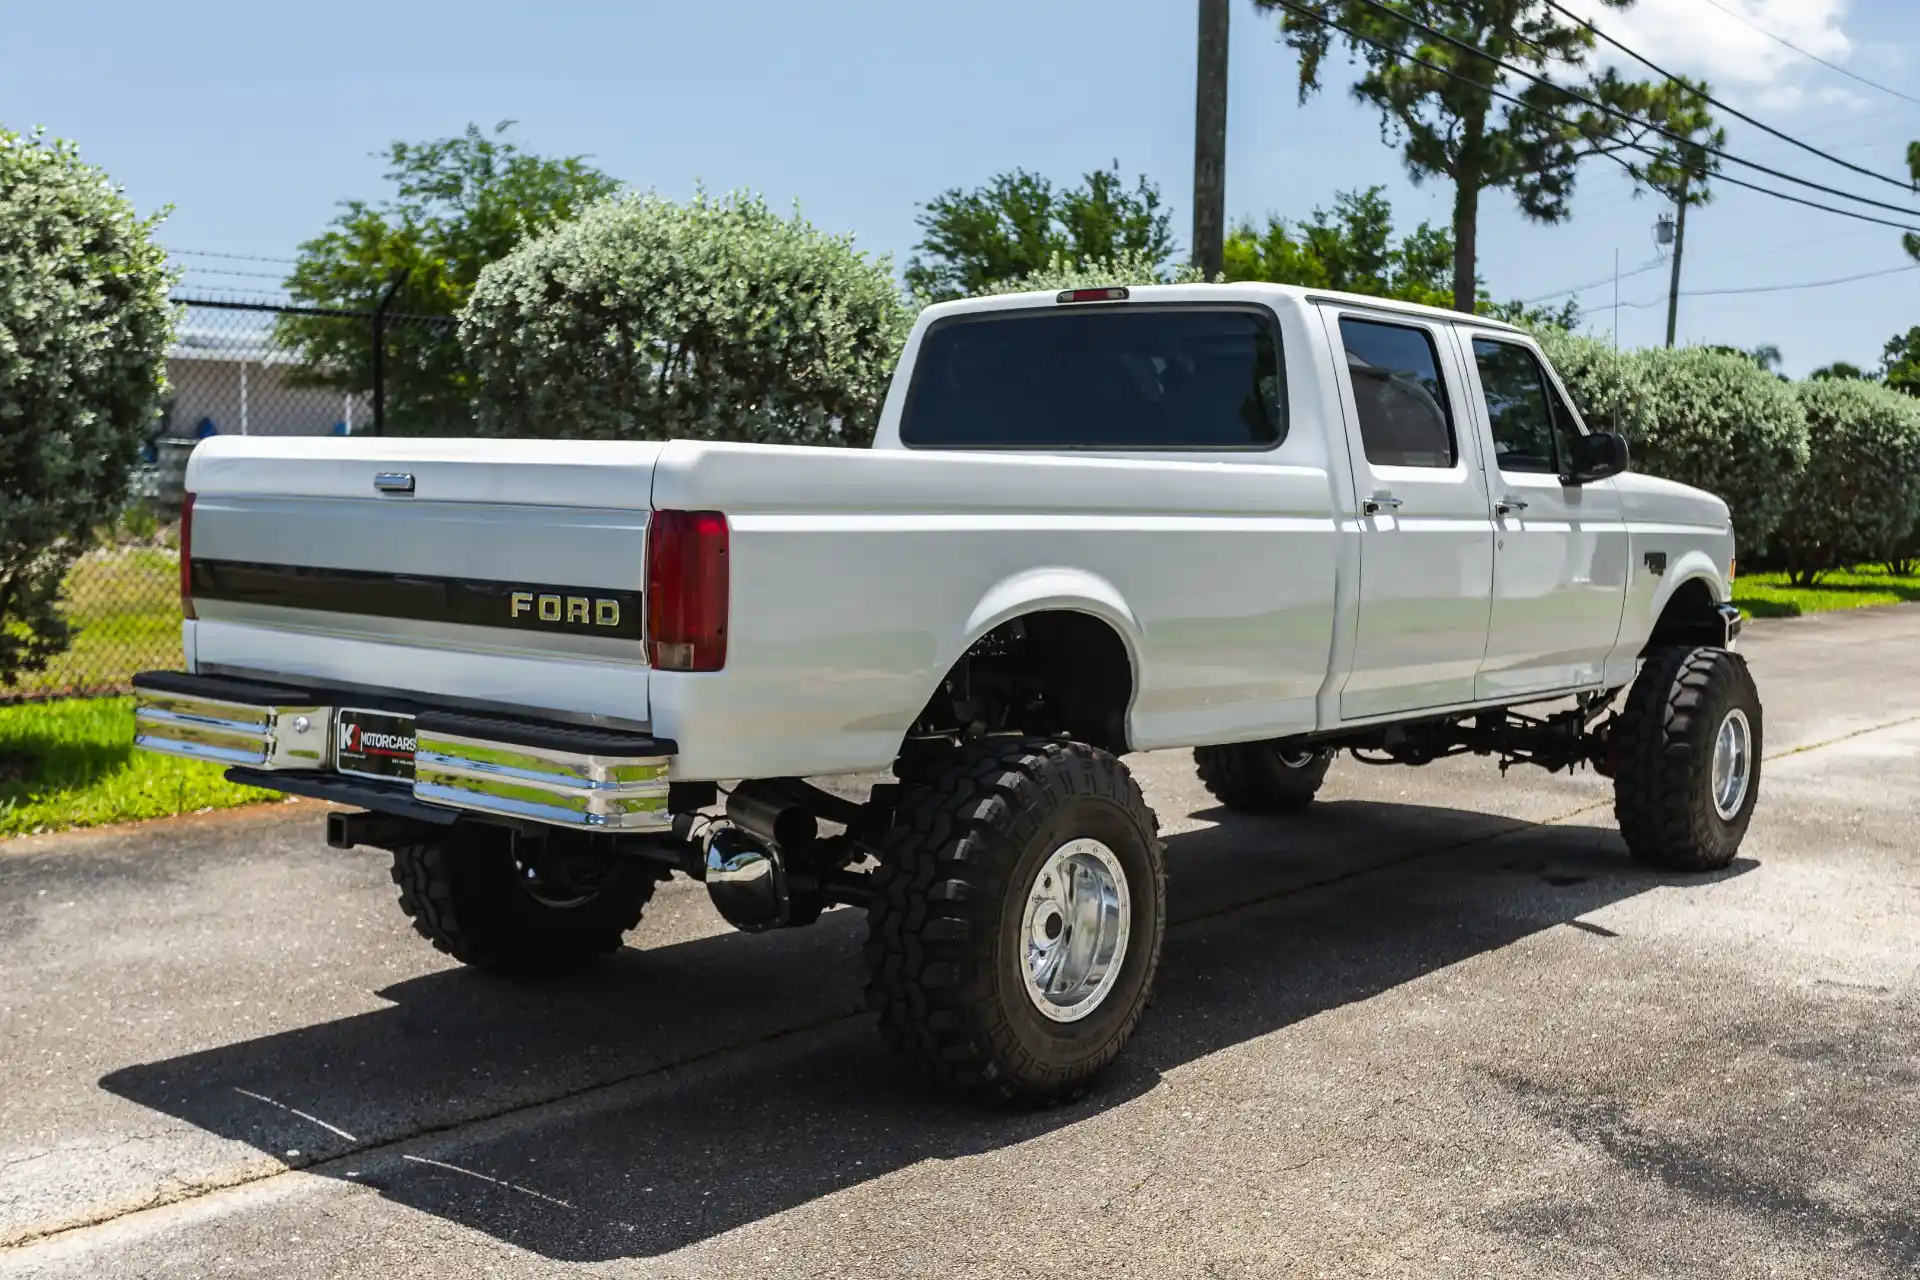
[1119, 378]
[1399, 394]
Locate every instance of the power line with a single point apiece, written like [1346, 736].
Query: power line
[1763, 288]
[228, 271]
[1655, 265]
[1737, 114]
[1695, 170]
[236, 257]
[1809, 284]
[1577, 96]
[1781, 195]
[1782, 40]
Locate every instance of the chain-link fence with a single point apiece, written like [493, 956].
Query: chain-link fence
[242, 368]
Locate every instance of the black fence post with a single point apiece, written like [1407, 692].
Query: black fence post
[380, 353]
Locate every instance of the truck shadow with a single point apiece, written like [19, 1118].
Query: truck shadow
[775, 1097]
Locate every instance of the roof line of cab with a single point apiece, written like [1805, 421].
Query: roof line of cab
[1202, 292]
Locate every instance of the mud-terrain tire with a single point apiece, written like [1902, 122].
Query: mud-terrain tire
[1006, 875]
[1687, 751]
[466, 896]
[1262, 777]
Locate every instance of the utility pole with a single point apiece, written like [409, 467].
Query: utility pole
[1679, 247]
[1210, 139]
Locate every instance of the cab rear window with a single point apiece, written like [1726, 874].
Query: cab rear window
[1121, 378]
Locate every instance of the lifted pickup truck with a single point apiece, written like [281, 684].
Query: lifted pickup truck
[1264, 523]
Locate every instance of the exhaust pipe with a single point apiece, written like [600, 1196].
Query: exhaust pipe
[764, 869]
[746, 881]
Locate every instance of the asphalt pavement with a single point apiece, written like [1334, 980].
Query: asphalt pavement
[1438, 1025]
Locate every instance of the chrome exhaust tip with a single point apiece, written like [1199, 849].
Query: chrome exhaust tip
[746, 881]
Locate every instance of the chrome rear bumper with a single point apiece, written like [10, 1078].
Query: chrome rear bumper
[540, 783]
[233, 733]
[557, 774]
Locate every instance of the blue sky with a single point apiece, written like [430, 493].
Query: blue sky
[253, 120]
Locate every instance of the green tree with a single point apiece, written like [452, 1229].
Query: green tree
[1900, 362]
[84, 327]
[718, 319]
[459, 204]
[1912, 239]
[1351, 247]
[1565, 316]
[1448, 122]
[1840, 371]
[1019, 223]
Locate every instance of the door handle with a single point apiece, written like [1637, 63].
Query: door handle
[1379, 502]
[1508, 505]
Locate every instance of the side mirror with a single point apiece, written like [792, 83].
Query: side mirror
[1595, 457]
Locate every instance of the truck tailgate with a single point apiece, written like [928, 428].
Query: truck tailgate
[502, 572]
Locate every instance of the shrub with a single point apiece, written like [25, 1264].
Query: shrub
[1859, 496]
[84, 326]
[1722, 423]
[1705, 418]
[712, 320]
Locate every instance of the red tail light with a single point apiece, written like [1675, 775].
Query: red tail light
[687, 590]
[186, 557]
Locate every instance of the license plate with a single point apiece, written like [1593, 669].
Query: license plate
[374, 744]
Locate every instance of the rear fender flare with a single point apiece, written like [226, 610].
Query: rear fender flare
[1055, 589]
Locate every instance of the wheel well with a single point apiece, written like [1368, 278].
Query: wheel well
[1056, 671]
[1688, 618]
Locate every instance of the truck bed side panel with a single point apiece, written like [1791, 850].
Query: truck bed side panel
[858, 580]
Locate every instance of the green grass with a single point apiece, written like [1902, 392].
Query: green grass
[71, 763]
[125, 604]
[1767, 595]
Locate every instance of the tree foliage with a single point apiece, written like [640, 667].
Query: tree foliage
[1912, 239]
[1351, 247]
[712, 320]
[84, 327]
[1900, 362]
[1767, 356]
[1018, 224]
[1840, 371]
[1833, 519]
[458, 205]
[1448, 123]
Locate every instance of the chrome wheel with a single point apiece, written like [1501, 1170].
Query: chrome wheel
[1732, 764]
[1077, 918]
[1298, 759]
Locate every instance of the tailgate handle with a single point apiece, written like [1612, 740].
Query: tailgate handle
[393, 481]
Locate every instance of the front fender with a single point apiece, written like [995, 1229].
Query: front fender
[1690, 566]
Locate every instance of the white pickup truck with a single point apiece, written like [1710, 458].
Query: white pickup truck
[1264, 523]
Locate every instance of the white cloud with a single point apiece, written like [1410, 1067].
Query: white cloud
[1691, 37]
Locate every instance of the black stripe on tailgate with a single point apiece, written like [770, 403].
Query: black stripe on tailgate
[473, 602]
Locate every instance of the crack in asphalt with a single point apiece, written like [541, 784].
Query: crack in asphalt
[35, 1234]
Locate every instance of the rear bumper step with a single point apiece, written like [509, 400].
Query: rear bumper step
[282, 736]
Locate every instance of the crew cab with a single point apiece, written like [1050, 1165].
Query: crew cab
[1264, 523]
